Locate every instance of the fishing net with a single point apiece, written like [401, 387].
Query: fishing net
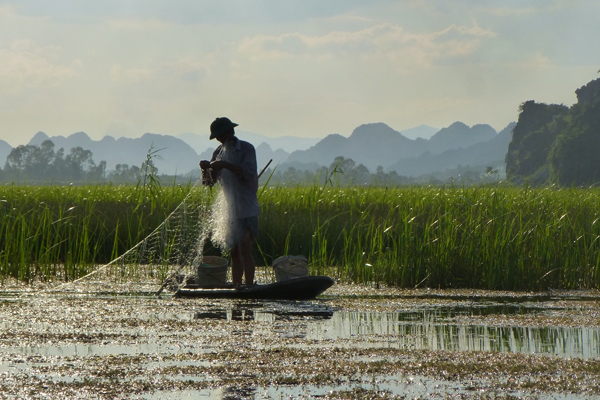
[169, 257]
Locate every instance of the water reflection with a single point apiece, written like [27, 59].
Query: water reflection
[240, 313]
[236, 314]
[424, 329]
[431, 330]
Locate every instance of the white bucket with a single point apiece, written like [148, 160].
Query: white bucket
[212, 271]
[290, 267]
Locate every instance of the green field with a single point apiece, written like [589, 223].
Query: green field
[487, 237]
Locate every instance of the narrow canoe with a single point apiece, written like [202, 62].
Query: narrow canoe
[304, 288]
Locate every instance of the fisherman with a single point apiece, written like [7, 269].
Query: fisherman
[234, 165]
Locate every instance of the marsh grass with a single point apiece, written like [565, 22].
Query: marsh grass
[502, 238]
[60, 233]
[477, 237]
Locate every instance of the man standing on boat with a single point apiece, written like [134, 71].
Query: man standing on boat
[234, 165]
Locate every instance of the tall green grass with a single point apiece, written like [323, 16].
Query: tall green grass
[62, 233]
[473, 237]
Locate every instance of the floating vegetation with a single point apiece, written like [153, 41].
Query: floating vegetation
[113, 346]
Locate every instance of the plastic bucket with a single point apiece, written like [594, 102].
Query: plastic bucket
[212, 271]
[290, 267]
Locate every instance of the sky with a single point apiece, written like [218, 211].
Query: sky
[285, 67]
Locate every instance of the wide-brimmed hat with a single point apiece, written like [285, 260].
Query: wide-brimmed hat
[220, 126]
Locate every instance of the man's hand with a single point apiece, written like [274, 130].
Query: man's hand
[204, 164]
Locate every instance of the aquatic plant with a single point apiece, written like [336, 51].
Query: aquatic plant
[482, 237]
[488, 237]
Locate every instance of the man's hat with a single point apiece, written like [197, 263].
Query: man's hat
[220, 126]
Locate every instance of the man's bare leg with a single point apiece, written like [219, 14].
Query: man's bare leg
[237, 265]
[242, 261]
[245, 250]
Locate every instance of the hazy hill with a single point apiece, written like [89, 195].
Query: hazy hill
[459, 135]
[175, 156]
[377, 144]
[479, 155]
[421, 131]
[370, 144]
[5, 149]
[286, 143]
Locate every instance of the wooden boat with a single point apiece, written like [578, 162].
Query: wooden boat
[303, 288]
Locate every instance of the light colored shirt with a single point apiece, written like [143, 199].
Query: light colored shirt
[239, 190]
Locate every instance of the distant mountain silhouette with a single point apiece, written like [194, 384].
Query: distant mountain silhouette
[5, 150]
[173, 155]
[377, 144]
[286, 143]
[481, 154]
[421, 131]
[459, 135]
[370, 144]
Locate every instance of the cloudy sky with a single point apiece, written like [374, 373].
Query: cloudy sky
[285, 67]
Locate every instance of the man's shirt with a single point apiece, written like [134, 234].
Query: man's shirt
[239, 190]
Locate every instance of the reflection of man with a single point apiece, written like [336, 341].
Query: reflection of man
[233, 163]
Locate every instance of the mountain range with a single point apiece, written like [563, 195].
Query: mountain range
[408, 153]
[377, 144]
[173, 156]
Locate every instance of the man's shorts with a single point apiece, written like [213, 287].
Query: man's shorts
[250, 223]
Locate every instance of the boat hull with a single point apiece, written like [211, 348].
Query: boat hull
[304, 288]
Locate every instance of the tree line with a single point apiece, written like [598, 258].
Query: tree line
[44, 165]
[345, 172]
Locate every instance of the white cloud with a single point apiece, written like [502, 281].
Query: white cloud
[185, 70]
[309, 68]
[384, 39]
[25, 63]
[6, 10]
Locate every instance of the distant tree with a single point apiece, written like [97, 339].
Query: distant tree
[30, 162]
[359, 175]
[533, 136]
[97, 173]
[42, 163]
[78, 163]
[123, 174]
[574, 157]
[553, 143]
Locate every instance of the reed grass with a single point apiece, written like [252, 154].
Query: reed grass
[470, 237]
[489, 237]
[61, 233]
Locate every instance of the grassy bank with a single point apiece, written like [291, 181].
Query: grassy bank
[480, 237]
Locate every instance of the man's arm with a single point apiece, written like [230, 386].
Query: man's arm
[219, 165]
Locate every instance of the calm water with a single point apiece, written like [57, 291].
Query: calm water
[430, 329]
[453, 325]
